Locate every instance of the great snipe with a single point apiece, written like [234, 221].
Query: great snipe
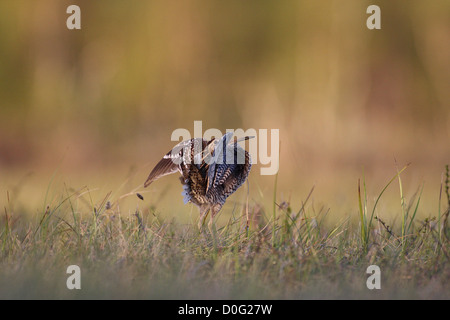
[210, 171]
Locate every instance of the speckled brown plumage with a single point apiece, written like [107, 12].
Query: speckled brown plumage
[211, 171]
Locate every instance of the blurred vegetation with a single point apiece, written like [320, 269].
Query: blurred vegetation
[111, 93]
[83, 110]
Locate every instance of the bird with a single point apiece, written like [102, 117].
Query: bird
[211, 171]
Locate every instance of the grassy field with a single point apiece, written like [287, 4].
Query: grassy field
[85, 115]
[285, 253]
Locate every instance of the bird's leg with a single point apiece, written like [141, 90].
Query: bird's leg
[214, 210]
[204, 209]
[211, 225]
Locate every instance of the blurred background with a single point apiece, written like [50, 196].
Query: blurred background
[96, 107]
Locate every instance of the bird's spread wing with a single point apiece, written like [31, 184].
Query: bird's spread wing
[164, 167]
[169, 164]
[229, 174]
[184, 152]
[223, 171]
[210, 176]
[231, 156]
[217, 160]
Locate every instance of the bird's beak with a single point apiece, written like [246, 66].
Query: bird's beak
[243, 139]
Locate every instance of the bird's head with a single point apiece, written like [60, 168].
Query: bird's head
[227, 140]
[236, 140]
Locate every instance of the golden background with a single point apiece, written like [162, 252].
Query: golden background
[96, 107]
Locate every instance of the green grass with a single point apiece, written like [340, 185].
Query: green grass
[288, 253]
